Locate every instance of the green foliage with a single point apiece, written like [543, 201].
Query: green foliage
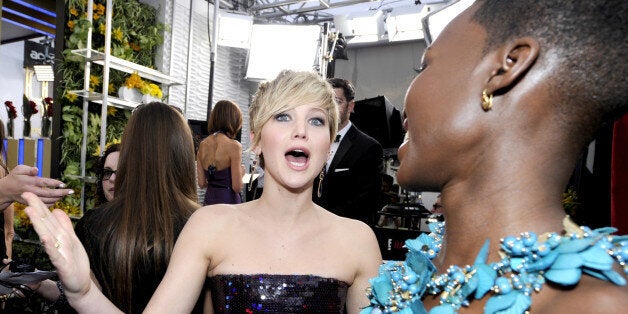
[135, 35]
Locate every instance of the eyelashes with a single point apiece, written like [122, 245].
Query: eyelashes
[315, 121]
[282, 117]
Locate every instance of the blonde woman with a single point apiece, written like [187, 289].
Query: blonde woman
[279, 253]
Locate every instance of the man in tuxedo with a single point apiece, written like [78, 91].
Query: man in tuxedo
[351, 185]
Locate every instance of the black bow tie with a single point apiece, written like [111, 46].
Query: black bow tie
[337, 138]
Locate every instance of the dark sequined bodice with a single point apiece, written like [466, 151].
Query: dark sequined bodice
[277, 294]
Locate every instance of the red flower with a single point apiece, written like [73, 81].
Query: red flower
[48, 103]
[33, 107]
[29, 108]
[11, 109]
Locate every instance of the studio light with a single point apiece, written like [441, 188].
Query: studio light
[234, 30]
[278, 47]
[435, 21]
[404, 23]
[44, 73]
[366, 26]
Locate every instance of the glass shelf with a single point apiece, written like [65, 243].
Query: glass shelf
[127, 66]
[111, 100]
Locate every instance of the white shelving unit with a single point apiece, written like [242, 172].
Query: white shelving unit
[107, 61]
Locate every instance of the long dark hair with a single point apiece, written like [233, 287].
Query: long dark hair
[155, 195]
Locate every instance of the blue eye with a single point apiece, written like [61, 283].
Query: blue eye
[317, 121]
[282, 117]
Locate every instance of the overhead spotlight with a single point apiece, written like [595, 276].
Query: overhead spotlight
[435, 21]
[277, 47]
[404, 23]
[366, 26]
[234, 30]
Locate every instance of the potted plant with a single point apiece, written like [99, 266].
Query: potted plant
[46, 117]
[29, 108]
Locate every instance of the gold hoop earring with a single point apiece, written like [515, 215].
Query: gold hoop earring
[487, 101]
[319, 190]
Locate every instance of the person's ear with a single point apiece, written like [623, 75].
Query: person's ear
[255, 149]
[513, 62]
[350, 105]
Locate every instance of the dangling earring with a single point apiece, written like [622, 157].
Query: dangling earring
[250, 187]
[319, 190]
[487, 101]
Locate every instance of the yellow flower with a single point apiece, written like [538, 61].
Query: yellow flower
[111, 88]
[96, 16]
[114, 141]
[94, 81]
[71, 97]
[111, 110]
[102, 28]
[117, 34]
[73, 12]
[155, 91]
[100, 9]
[134, 81]
[71, 25]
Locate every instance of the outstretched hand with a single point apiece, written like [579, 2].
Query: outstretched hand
[24, 179]
[65, 250]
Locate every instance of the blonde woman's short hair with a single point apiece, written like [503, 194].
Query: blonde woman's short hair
[289, 90]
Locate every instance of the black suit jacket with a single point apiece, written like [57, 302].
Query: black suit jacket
[352, 185]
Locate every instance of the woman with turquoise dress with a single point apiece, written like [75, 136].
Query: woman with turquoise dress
[219, 157]
[507, 97]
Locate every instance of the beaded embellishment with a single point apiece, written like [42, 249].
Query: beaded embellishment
[528, 261]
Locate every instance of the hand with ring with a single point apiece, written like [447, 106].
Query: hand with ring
[65, 250]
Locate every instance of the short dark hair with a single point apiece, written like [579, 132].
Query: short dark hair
[589, 39]
[346, 86]
[225, 117]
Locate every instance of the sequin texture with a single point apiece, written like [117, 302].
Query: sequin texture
[265, 293]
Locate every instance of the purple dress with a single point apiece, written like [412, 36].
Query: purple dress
[262, 293]
[219, 189]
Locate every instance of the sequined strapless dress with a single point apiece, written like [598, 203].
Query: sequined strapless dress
[277, 294]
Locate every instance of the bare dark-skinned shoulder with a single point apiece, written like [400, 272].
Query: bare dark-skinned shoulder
[591, 295]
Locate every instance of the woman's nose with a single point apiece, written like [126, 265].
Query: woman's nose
[300, 130]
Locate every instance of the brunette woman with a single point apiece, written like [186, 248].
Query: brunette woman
[219, 157]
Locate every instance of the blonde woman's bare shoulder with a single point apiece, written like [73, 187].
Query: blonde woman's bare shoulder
[216, 214]
[351, 228]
